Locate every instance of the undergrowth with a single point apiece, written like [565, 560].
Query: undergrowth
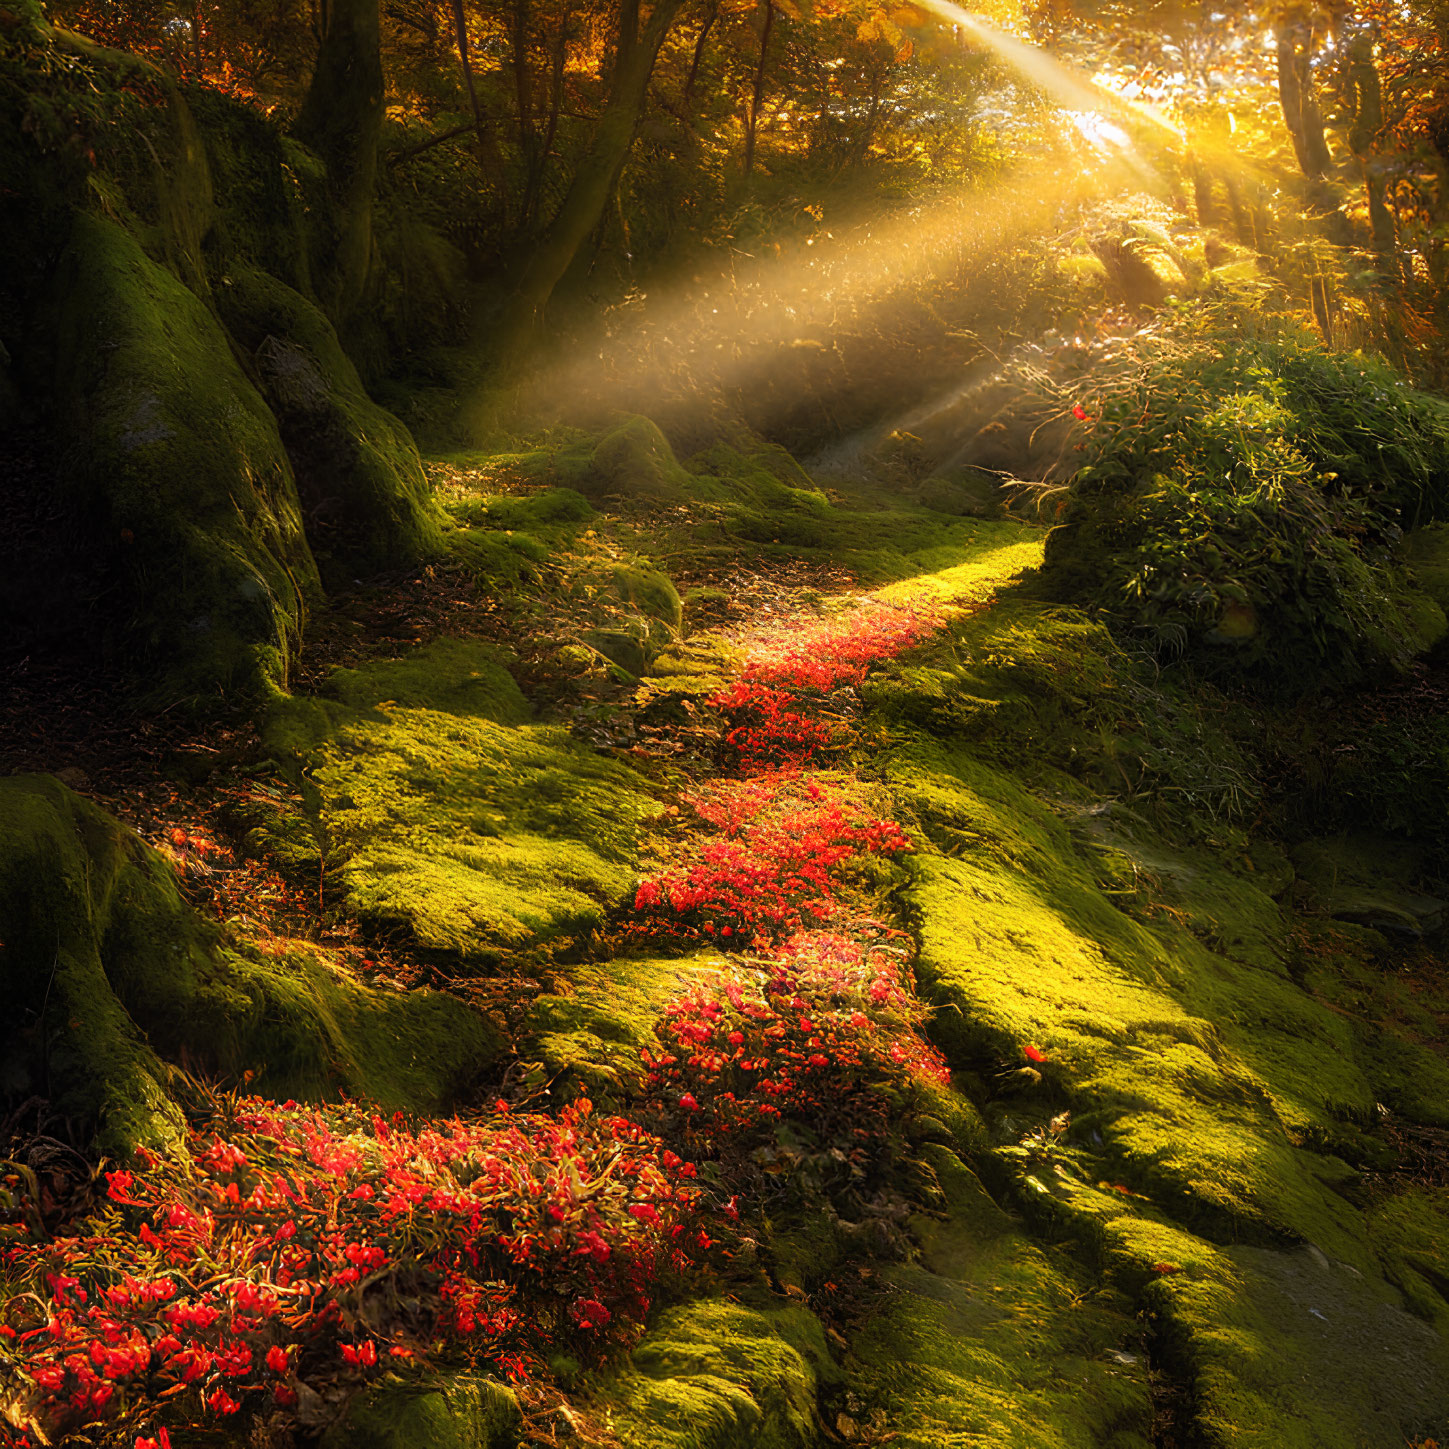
[1241, 502]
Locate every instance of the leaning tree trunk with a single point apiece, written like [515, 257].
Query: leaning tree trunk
[553, 253]
[1301, 111]
[341, 120]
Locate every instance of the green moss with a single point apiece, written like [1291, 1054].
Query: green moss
[631, 460]
[68, 874]
[1411, 1234]
[1426, 550]
[260, 207]
[635, 459]
[1224, 1078]
[358, 471]
[501, 558]
[989, 1339]
[448, 817]
[536, 512]
[1365, 878]
[110, 975]
[459, 1413]
[718, 1375]
[596, 1028]
[310, 1031]
[180, 466]
[650, 592]
[269, 827]
[454, 675]
[967, 493]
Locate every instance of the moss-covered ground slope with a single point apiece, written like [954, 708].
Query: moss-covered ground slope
[1228, 1066]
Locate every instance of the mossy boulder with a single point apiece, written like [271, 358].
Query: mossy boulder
[179, 466]
[359, 477]
[632, 460]
[720, 1375]
[449, 815]
[635, 460]
[266, 189]
[110, 975]
[594, 1025]
[650, 592]
[466, 1412]
[965, 493]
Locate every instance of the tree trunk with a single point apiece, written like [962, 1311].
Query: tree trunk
[552, 253]
[490, 163]
[523, 92]
[697, 59]
[1301, 111]
[341, 120]
[1363, 141]
[757, 96]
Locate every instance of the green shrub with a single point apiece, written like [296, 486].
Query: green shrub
[1243, 504]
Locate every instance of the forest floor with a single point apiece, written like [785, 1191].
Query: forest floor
[1108, 1126]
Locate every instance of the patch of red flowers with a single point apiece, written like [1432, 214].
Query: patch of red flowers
[795, 1064]
[294, 1247]
[834, 651]
[769, 863]
[787, 1070]
[791, 672]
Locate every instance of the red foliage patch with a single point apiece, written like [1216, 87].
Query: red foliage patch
[293, 1248]
[768, 866]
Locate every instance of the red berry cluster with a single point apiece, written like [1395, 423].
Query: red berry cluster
[294, 1247]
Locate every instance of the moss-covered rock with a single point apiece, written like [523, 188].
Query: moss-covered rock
[266, 187]
[449, 816]
[635, 460]
[596, 1026]
[456, 1413]
[720, 1375]
[964, 493]
[110, 975]
[178, 464]
[359, 477]
[651, 592]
